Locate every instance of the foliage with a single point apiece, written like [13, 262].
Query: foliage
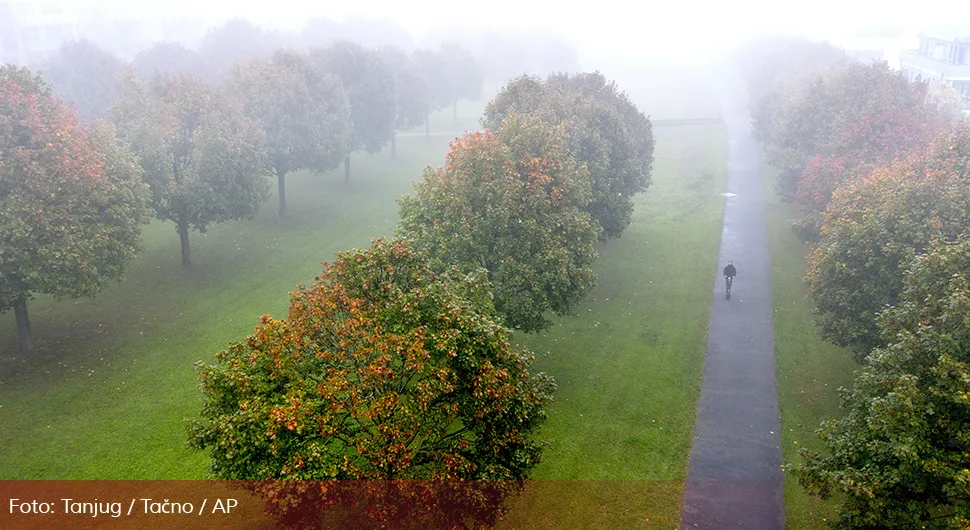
[432, 68]
[949, 102]
[463, 74]
[203, 159]
[86, 75]
[510, 201]
[305, 115]
[71, 198]
[412, 100]
[235, 41]
[384, 369]
[369, 85]
[167, 59]
[873, 224]
[899, 458]
[839, 126]
[604, 131]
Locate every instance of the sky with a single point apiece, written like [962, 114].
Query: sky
[619, 27]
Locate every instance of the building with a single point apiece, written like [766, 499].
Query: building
[940, 57]
[32, 30]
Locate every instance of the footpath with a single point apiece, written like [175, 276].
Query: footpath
[735, 478]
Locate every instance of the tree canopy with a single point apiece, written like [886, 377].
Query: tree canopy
[510, 201]
[85, 75]
[899, 457]
[71, 199]
[167, 59]
[203, 159]
[384, 369]
[369, 85]
[873, 225]
[305, 114]
[604, 131]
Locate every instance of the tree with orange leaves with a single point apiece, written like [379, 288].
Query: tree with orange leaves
[383, 370]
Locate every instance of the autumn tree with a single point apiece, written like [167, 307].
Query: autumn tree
[384, 369]
[85, 75]
[604, 131]
[369, 85]
[412, 97]
[203, 159]
[71, 200]
[305, 114]
[167, 59]
[873, 225]
[510, 201]
[899, 457]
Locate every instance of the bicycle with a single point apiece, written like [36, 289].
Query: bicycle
[728, 280]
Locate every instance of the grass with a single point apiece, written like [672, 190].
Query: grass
[809, 369]
[107, 392]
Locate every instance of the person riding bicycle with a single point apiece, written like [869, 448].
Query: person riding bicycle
[729, 273]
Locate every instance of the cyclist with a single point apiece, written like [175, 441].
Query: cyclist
[729, 273]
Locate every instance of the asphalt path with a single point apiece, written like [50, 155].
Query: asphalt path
[735, 477]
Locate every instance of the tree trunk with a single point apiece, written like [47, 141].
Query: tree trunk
[23, 324]
[347, 169]
[183, 229]
[394, 146]
[454, 112]
[427, 125]
[281, 185]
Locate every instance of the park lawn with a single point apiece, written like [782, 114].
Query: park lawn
[111, 386]
[809, 369]
[628, 366]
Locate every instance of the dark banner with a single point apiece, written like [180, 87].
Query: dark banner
[421, 505]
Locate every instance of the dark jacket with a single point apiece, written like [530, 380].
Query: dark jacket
[730, 271]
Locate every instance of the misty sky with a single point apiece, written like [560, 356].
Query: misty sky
[685, 26]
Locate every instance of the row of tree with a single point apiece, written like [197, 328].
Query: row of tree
[396, 364]
[878, 172]
[205, 151]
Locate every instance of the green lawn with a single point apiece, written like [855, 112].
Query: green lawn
[107, 392]
[809, 369]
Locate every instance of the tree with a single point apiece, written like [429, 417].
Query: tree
[431, 66]
[305, 115]
[604, 131]
[369, 85]
[873, 225]
[71, 200]
[86, 75]
[463, 77]
[383, 369]
[947, 100]
[412, 100]
[899, 457]
[167, 59]
[235, 41]
[203, 159]
[511, 201]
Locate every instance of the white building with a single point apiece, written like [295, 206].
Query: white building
[942, 57]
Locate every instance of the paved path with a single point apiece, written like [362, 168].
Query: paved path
[735, 478]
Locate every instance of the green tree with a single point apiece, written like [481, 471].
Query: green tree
[71, 200]
[305, 115]
[873, 225]
[167, 59]
[604, 131]
[510, 201]
[384, 369]
[369, 84]
[85, 75]
[431, 66]
[462, 77]
[412, 97]
[900, 456]
[203, 159]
